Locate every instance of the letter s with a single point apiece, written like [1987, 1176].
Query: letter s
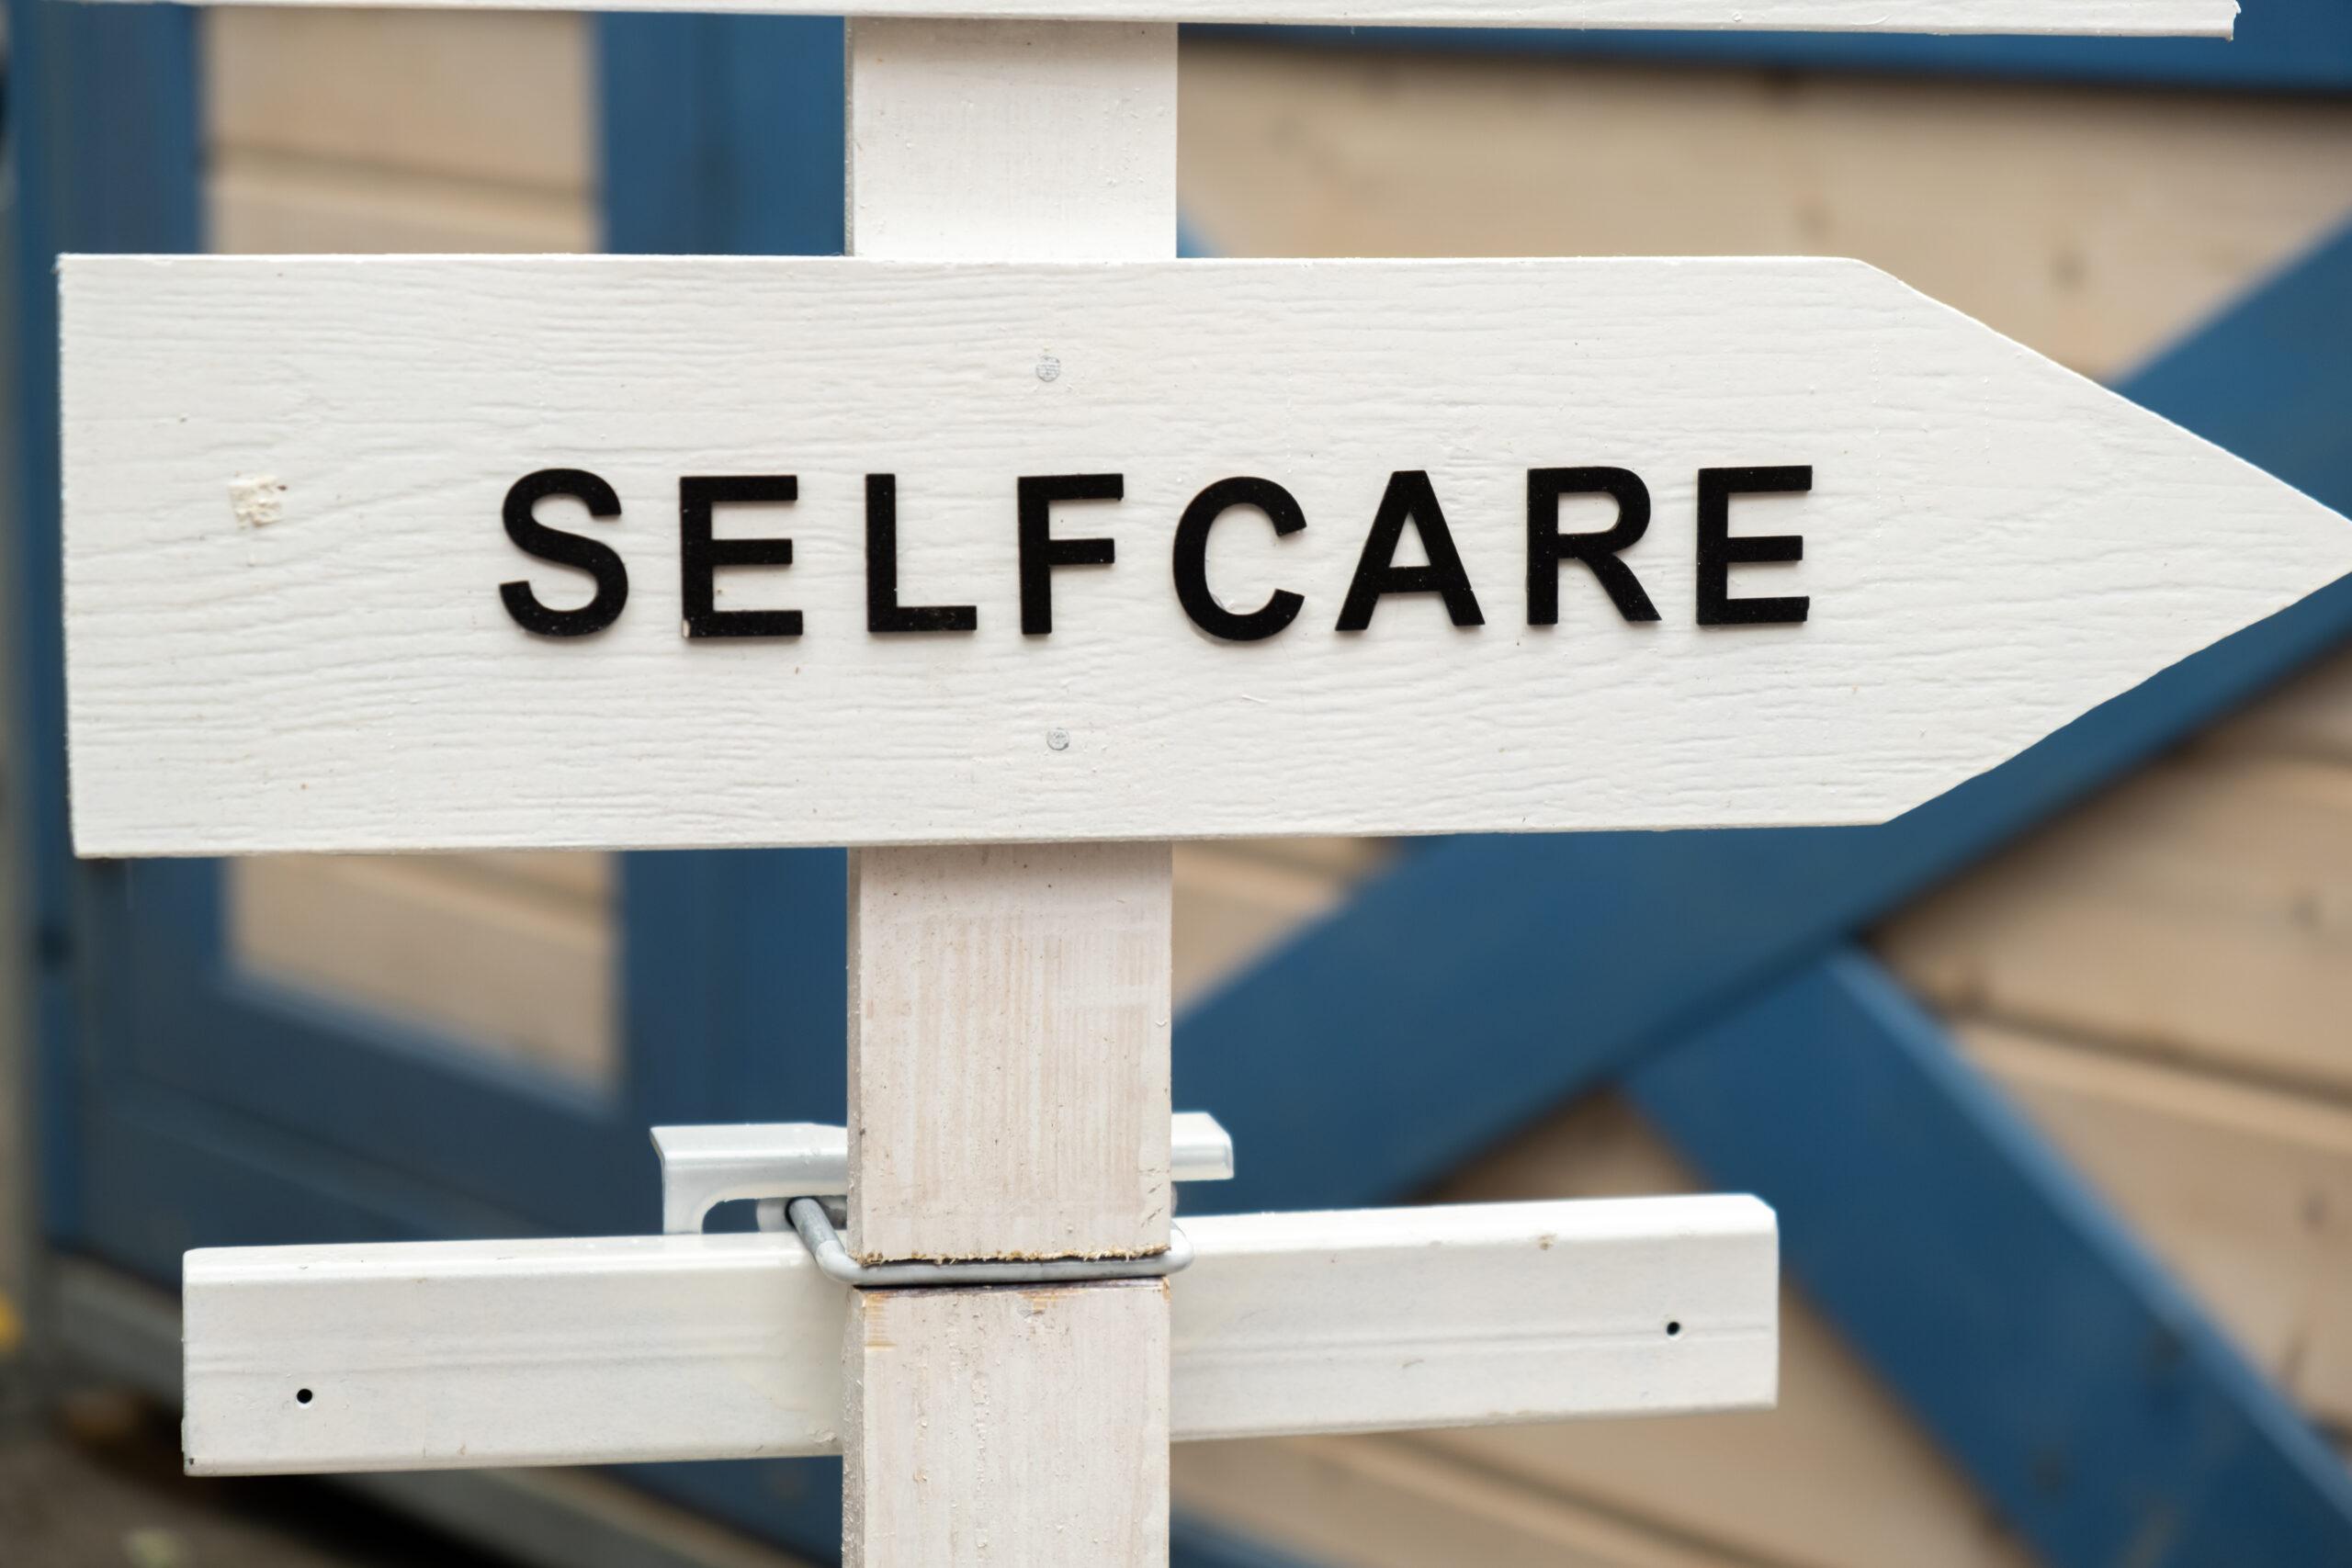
[597, 559]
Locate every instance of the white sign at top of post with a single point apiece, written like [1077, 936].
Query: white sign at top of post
[393, 553]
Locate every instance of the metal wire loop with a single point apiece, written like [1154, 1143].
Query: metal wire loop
[815, 1231]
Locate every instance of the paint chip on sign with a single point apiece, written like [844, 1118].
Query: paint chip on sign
[258, 499]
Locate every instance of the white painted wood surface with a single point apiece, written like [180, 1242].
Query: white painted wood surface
[1008, 1052]
[1993, 544]
[426, 1355]
[1475, 1314]
[2202, 17]
[429, 1355]
[933, 104]
[1012, 1424]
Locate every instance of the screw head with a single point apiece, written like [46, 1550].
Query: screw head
[1057, 740]
[1048, 367]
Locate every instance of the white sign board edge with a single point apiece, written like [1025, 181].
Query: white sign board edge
[2142, 19]
[284, 479]
[427, 1355]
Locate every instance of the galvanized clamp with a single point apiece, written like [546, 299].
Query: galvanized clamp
[705, 1165]
[793, 1168]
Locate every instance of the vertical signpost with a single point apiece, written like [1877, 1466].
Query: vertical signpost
[1019, 989]
[1062, 550]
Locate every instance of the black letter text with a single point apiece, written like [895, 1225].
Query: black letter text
[1547, 546]
[700, 556]
[534, 538]
[1719, 552]
[1041, 552]
[1408, 496]
[1192, 552]
[883, 611]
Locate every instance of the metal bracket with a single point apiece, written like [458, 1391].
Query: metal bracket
[706, 1166]
[815, 1231]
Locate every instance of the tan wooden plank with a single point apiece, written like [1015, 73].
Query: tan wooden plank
[1236, 899]
[2092, 223]
[496, 97]
[263, 203]
[1378, 1502]
[2245, 1191]
[509, 964]
[577, 874]
[2202, 909]
[2310, 717]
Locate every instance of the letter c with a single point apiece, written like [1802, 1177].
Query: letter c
[1193, 550]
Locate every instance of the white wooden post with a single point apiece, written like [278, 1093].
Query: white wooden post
[1009, 1005]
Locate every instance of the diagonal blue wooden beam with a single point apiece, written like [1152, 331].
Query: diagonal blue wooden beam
[1488, 979]
[2092, 1401]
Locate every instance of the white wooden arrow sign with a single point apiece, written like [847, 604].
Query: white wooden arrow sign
[383, 553]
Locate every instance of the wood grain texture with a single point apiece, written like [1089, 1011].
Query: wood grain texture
[2093, 226]
[264, 203]
[1378, 1503]
[509, 953]
[496, 97]
[1013, 1425]
[373, 131]
[1236, 898]
[2246, 1191]
[431, 1355]
[1993, 545]
[932, 103]
[1009, 1037]
[2125, 18]
[2202, 911]
[1478, 1315]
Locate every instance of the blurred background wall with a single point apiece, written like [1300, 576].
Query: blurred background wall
[2144, 948]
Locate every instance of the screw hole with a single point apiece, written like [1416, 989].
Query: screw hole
[1672, 1329]
[301, 1396]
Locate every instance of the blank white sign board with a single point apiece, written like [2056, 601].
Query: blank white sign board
[2123, 17]
[290, 486]
[425, 1355]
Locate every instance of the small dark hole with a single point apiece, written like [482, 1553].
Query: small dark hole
[302, 1395]
[1672, 1330]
